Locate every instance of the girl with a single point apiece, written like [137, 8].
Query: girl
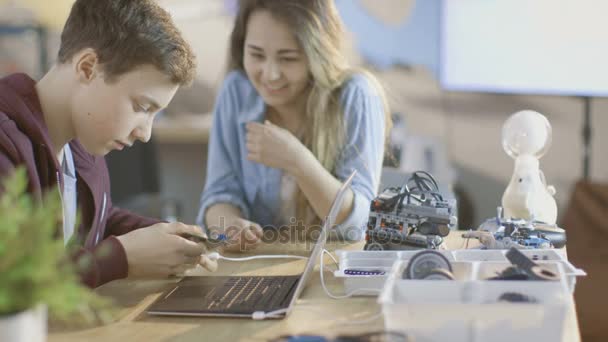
[292, 120]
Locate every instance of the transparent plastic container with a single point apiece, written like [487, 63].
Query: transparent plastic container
[469, 309]
[383, 260]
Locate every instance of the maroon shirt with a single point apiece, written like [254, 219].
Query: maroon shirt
[24, 140]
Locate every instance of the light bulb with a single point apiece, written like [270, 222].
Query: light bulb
[526, 132]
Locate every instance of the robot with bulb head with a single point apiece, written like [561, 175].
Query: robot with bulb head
[526, 138]
[529, 212]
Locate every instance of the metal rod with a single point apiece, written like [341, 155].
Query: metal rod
[586, 137]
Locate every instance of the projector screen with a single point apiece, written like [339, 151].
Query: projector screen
[557, 47]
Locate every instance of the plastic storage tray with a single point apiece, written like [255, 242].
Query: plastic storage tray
[468, 309]
[383, 261]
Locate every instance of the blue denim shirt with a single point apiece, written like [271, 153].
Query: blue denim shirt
[254, 188]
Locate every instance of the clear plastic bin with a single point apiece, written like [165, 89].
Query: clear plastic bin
[383, 260]
[468, 308]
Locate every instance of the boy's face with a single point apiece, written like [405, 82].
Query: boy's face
[273, 60]
[111, 116]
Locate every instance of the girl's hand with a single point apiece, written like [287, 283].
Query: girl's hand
[273, 146]
[243, 235]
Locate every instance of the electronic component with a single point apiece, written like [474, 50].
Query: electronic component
[511, 273]
[428, 264]
[438, 274]
[209, 242]
[524, 269]
[534, 271]
[364, 272]
[413, 215]
[526, 234]
[381, 239]
[515, 297]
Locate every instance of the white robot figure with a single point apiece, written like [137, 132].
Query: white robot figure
[526, 137]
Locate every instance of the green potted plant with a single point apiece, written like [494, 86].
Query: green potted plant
[36, 275]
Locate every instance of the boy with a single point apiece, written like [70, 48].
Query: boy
[120, 62]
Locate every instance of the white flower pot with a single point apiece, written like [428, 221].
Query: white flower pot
[25, 326]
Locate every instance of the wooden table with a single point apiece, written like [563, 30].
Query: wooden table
[315, 313]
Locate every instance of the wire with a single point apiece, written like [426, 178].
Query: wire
[424, 185]
[260, 315]
[329, 294]
[335, 261]
[465, 243]
[218, 256]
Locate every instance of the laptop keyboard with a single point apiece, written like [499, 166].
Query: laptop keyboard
[248, 294]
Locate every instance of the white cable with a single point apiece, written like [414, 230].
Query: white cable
[260, 315]
[350, 294]
[218, 256]
[334, 259]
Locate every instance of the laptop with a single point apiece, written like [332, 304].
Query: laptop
[245, 296]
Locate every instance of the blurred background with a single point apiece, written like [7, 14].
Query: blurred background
[454, 72]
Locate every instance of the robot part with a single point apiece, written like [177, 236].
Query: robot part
[414, 215]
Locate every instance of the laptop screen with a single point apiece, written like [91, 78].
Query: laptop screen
[320, 243]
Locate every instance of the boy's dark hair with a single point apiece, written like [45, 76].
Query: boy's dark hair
[126, 34]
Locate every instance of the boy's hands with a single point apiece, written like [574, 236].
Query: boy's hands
[160, 251]
[272, 146]
[242, 235]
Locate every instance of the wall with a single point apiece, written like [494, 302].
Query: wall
[51, 14]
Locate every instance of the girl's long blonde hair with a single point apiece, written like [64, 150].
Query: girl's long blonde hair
[318, 29]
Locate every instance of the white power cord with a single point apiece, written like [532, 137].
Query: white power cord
[334, 259]
[350, 294]
[217, 256]
[260, 315]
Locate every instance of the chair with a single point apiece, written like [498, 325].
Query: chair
[135, 185]
[586, 225]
